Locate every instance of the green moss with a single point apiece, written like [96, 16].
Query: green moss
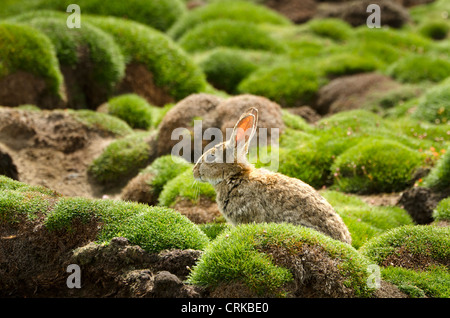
[417, 284]
[226, 68]
[426, 134]
[434, 11]
[24, 48]
[349, 127]
[84, 46]
[228, 33]
[164, 169]
[237, 256]
[233, 10]
[121, 159]
[288, 84]
[10, 184]
[159, 14]
[401, 39]
[153, 228]
[416, 68]
[185, 186]
[133, 109]
[442, 211]
[439, 176]
[15, 205]
[172, 69]
[434, 105]
[381, 101]
[295, 122]
[416, 241]
[102, 121]
[375, 50]
[334, 29]
[306, 163]
[212, 230]
[363, 220]
[350, 122]
[346, 64]
[375, 166]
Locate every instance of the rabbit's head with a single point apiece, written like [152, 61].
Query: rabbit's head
[230, 157]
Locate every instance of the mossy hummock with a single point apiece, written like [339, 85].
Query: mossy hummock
[172, 69]
[153, 228]
[264, 260]
[23, 48]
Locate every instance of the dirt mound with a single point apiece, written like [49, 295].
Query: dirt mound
[35, 263]
[139, 190]
[203, 211]
[420, 202]
[21, 88]
[355, 12]
[214, 112]
[350, 92]
[121, 269]
[269, 113]
[140, 81]
[182, 115]
[294, 10]
[412, 3]
[306, 112]
[52, 148]
[33, 259]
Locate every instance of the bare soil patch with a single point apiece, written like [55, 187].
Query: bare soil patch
[52, 149]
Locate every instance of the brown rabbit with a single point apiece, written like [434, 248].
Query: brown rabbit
[246, 194]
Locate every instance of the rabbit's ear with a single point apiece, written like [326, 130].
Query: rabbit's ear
[244, 130]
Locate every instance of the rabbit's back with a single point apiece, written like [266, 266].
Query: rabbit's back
[262, 196]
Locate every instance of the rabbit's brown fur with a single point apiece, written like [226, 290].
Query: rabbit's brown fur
[246, 194]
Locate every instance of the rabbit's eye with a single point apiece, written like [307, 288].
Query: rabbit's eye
[210, 157]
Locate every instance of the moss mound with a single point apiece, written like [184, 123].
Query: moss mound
[153, 228]
[158, 14]
[405, 40]
[24, 48]
[439, 176]
[133, 109]
[288, 84]
[376, 165]
[365, 221]
[172, 70]
[164, 169]
[185, 186]
[92, 53]
[434, 106]
[416, 68]
[334, 29]
[414, 247]
[265, 259]
[415, 258]
[419, 284]
[122, 159]
[233, 10]
[102, 121]
[228, 33]
[341, 64]
[442, 211]
[225, 68]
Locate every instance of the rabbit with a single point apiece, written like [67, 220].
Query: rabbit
[245, 194]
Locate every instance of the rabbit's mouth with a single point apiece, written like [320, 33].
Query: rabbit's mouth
[196, 173]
